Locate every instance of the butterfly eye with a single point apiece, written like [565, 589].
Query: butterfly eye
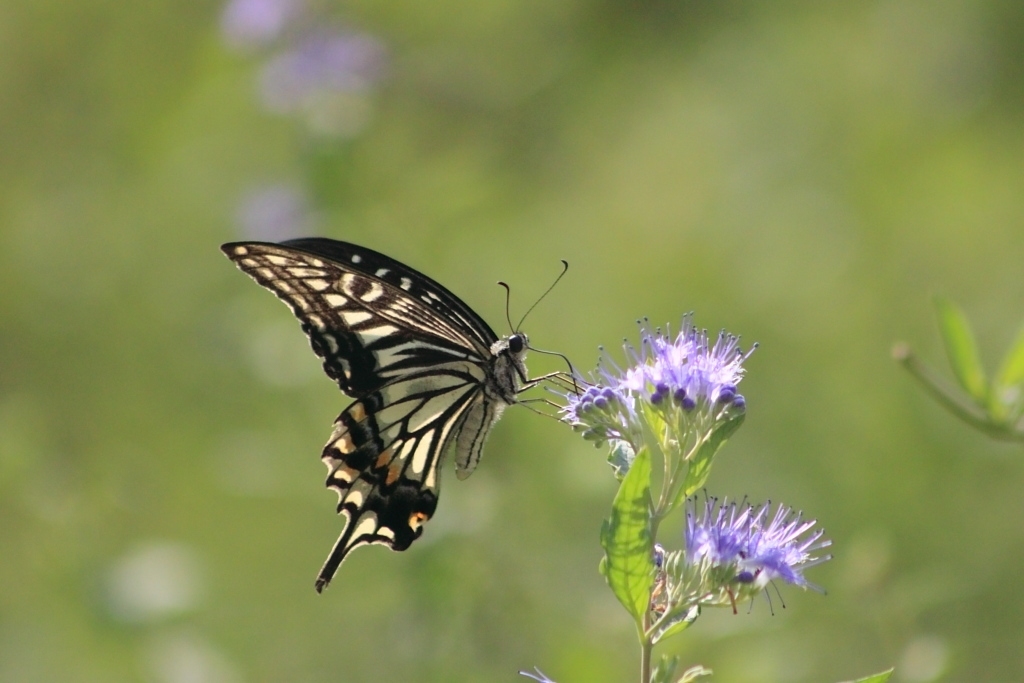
[515, 343]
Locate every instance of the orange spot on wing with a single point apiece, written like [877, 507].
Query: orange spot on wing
[417, 519]
[393, 473]
[383, 459]
[358, 412]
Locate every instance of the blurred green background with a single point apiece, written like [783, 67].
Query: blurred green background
[805, 174]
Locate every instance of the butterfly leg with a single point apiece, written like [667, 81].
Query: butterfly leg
[527, 401]
[560, 378]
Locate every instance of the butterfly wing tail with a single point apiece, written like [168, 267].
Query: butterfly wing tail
[395, 520]
[340, 550]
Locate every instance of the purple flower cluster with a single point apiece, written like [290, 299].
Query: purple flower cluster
[688, 368]
[606, 413]
[686, 372]
[747, 547]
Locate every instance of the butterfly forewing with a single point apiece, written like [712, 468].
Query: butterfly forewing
[425, 370]
[366, 315]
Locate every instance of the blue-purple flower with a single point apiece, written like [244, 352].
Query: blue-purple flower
[739, 548]
[688, 381]
[688, 369]
[605, 412]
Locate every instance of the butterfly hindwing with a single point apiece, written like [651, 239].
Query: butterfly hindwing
[426, 372]
[473, 429]
[383, 460]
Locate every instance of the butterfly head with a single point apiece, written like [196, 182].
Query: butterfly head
[508, 365]
[517, 343]
[513, 346]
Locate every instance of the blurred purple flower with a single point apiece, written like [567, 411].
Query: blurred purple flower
[321, 62]
[325, 79]
[273, 213]
[251, 23]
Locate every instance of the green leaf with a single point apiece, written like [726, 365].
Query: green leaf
[655, 422]
[699, 466]
[675, 622]
[628, 564]
[1008, 385]
[620, 457]
[665, 670]
[693, 673]
[962, 350]
[877, 678]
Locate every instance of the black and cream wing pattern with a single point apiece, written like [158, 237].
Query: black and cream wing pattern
[428, 376]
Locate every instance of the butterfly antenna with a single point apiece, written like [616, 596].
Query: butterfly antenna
[565, 268]
[508, 295]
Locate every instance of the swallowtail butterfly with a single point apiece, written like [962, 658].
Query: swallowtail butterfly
[427, 374]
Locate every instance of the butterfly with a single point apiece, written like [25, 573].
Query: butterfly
[428, 376]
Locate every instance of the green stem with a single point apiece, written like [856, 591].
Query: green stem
[644, 627]
[666, 467]
[655, 522]
[646, 649]
[675, 481]
[940, 391]
[665, 480]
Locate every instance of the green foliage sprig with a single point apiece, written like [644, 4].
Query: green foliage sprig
[993, 405]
